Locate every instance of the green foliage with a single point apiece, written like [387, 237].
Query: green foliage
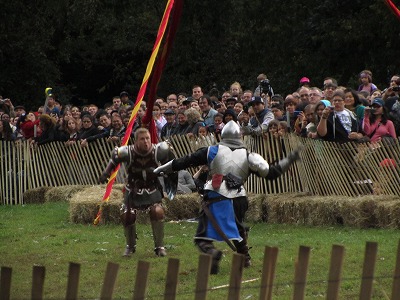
[93, 49]
[41, 235]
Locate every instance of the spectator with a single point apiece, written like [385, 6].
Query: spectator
[195, 105]
[319, 108]
[88, 129]
[48, 127]
[217, 125]
[208, 112]
[19, 110]
[27, 125]
[76, 114]
[194, 120]
[230, 102]
[365, 79]
[236, 90]
[170, 126]
[183, 125]
[271, 130]
[229, 114]
[290, 112]
[125, 101]
[51, 107]
[174, 106]
[225, 96]
[338, 124]
[304, 81]
[70, 132]
[6, 133]
[307, 125]
[197, 93]
[159, 119]
[315, 95]
[246, 97]
[186, 183]
[329, 89]
[278, 111]
[376, 124]
[116, 103]
[262, 116]
[174, 97]
[238, 108]
[352, 102]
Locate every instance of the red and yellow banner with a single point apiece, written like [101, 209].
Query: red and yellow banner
[149, 69]
[393, 8]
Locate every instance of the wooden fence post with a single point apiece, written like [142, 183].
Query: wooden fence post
[300, 273]
[367, 280]
[73, 281]
[38, 275]
[396, 277]
[268, 274]
[172, 279]
[203, 273]
[335, 271]
[109, 281]
[236, 276]
[5, 283]
[142, 275]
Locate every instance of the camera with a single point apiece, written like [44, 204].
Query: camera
[297, 112]
[265, 87]
[396, 89]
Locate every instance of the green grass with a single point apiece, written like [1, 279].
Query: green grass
[42, 235]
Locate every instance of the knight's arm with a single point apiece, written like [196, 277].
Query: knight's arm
[118, 155]
[197, 158]
[259, 166]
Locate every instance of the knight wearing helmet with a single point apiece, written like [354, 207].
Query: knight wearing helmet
[225, 200]
[143, 190]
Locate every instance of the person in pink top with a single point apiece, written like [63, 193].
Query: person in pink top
[376, 124]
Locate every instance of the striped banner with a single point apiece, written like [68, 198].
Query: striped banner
[393, 8]
[149, 69]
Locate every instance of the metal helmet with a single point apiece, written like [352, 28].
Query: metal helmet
[231, 135]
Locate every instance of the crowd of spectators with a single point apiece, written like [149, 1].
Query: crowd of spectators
[320, 111]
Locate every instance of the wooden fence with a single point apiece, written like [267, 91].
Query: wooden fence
[202, 289]
[325, 169]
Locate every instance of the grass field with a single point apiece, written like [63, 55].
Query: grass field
[42, 235]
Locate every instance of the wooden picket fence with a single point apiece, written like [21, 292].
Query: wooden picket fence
[325, 169]
[233, 289]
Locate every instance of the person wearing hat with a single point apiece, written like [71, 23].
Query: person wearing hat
[168, 129]
[376, 124]
[230, 102]
[19, 110]
[262, 116]
[304, 81]
[125, 101]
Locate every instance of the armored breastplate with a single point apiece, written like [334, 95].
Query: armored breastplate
[140, 171]
[225, 162]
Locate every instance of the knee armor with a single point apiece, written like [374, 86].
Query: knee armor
[156, 212]
[128, 215]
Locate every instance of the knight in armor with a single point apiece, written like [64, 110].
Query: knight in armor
[143, 190]
[225, 201]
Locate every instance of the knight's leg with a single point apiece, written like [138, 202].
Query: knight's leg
[157, 225]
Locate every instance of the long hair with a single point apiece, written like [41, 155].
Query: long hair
[384, 117]
[7, 131]
[357, 100]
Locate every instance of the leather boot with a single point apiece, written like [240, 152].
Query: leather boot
[242, 248]
[208, 247]
[158, 236]
[130, 236]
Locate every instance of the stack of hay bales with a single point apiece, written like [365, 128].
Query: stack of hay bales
[371, 211]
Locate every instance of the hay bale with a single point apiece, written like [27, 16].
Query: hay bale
[62, 193]
[255, 213]
[36, 196]
[185, 206]
[84, 205]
